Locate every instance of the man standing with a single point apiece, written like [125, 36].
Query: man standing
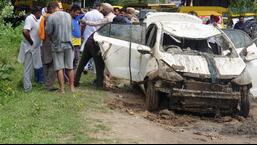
[59, 29]
[240, 24]
[93, 15]
[92, 50]
[29, 54]
[76, 33]
[46, 52]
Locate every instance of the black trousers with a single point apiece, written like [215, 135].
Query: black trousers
[91, 50]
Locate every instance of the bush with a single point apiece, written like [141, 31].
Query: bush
[10, 39]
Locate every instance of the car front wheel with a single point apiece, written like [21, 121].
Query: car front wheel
[152, 99]
[245, 102]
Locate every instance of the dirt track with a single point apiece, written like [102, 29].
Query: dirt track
[130, 123]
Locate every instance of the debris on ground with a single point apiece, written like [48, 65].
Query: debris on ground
[119, 96]
[167, 114]
[248, 128]
[207, 128]
[123, 105]
[130, 112]
[223, 119]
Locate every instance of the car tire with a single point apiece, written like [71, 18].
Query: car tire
[152, 98]
[245, 102]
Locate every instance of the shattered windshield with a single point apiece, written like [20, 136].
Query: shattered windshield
[216, 45]
[239, 38]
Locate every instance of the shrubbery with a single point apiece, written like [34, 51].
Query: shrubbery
[9, 45]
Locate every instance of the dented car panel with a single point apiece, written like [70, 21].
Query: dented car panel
[158, 17]
[189, 30]
[191, 63]
[230, 67]
[227, 67]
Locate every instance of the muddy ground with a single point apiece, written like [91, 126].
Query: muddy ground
[129, 122]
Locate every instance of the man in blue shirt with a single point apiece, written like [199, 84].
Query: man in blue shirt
[76, 32]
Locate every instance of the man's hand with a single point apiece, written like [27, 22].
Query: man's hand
[26, 34]
[31, 43]
[83, 22]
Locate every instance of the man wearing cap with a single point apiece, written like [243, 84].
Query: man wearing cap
[92, 50]
[107, 11]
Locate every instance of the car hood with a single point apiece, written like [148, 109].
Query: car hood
[205, 66]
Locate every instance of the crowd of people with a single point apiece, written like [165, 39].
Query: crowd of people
[53, 38]
[216, 20]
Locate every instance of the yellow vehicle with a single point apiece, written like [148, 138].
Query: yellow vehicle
[119, 7]
[26, 4]
[158, 7]
[204, 12]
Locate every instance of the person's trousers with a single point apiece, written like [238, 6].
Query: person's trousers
[28, 69]
[49, 75]
[76, 57]
[39, 75]
[91, 50]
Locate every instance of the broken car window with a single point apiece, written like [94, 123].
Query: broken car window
[130, 33]
[105, 30]
[213, 45]
[239, 38]
[151, 34]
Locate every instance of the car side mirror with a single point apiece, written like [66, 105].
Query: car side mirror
[250, 57]
[144, 50]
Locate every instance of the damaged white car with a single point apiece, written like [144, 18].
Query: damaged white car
[179, 62]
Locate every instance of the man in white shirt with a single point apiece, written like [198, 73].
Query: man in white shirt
[93, 15]
[91, 50]
[107, 11]
[30, 55]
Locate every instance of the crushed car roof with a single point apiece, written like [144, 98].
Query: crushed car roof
[189, 30]
[165, 16]
[182, 25]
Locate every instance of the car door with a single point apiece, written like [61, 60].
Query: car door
[119, 44]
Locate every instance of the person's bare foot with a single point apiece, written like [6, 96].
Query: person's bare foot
[72, 89]
[62, 91]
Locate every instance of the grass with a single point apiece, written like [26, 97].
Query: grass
[40, 116]
[43, 117]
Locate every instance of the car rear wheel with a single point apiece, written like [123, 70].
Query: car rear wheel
[152, 98]
[245, 102]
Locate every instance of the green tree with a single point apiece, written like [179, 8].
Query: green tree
[9, 41]
[120, 2]
[242, 6]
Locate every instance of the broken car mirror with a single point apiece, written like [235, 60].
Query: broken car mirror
[250, 57]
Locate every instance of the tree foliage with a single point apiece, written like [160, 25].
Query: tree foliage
[9, 42]
[242, 6]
